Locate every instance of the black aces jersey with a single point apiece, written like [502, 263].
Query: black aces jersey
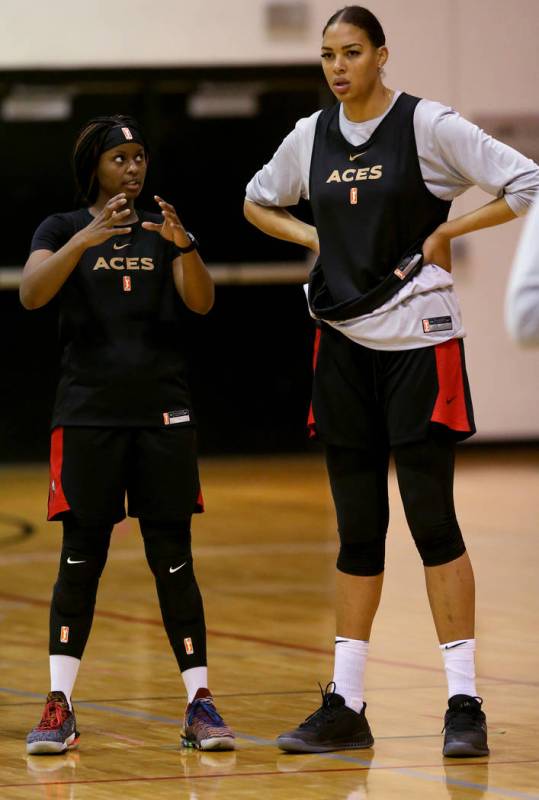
[371, 208]
[120, 328]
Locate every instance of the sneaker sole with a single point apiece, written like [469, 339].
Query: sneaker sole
[464, 750]
[291, 745]
[47, 747]
[213, 743]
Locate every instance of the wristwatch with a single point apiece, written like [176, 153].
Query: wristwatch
[190, 247]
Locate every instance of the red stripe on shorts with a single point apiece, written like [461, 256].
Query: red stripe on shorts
[450, 407]
[311, 422]
[199, 505]
[57, 499]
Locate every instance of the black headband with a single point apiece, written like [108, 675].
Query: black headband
[122, 134]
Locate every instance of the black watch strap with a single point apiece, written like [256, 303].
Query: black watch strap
[190, 247]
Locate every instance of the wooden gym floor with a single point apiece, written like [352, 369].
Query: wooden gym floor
[265, 552]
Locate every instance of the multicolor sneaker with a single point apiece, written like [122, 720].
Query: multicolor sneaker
[333, 726]
[57, 731]
[465, 727]
[204, 727]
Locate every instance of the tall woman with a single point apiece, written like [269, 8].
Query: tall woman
[122, 419]
[381, 168]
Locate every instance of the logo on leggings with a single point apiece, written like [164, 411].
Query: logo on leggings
[188, 644]
[64, 634]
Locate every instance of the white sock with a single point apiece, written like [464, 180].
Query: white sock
[349, 670]
[64, 671]
[195, 678]
[459, 662]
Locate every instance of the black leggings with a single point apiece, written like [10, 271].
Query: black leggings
[82, 560]
[358, 481]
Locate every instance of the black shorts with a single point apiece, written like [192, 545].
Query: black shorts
[363, 396]
[92, 469]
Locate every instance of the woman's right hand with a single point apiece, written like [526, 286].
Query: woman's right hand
[104, 225]
[437, 250]
[46, 271]
[278, 222]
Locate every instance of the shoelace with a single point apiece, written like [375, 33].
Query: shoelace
[325, 711]
[54, 716]
[209, 712]
[460, 718]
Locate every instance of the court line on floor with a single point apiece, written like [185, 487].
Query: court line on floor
[38, 700]
[200, 551]
[403, 771]
[115, 615]
[231, 695]
[361, 764]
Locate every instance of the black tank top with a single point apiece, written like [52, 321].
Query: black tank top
[121, 331]
[371, 209]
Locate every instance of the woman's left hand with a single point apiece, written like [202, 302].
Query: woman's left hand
[171, 228]
[437, 250]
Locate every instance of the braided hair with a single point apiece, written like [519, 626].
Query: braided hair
[88, 148]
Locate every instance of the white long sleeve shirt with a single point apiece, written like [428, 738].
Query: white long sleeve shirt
[454, 155]
[522, 300]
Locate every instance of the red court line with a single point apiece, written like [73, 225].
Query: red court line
[269, 773]
[269, 642]
[180, 777]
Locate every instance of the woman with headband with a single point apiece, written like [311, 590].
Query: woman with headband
[381, 168]
[122, 419]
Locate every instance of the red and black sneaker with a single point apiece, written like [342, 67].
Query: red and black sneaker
[57, 731]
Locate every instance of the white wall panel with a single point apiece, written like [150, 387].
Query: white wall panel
[497, 66]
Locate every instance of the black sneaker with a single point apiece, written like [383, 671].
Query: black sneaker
[465, 727]
[333, 726]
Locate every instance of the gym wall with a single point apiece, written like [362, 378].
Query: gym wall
[158, 61]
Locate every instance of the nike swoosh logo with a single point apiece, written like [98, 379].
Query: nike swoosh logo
[177, 568]
[450, 399]
[353, 158]
[70, 561]
[451, 646]
[120, 246]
